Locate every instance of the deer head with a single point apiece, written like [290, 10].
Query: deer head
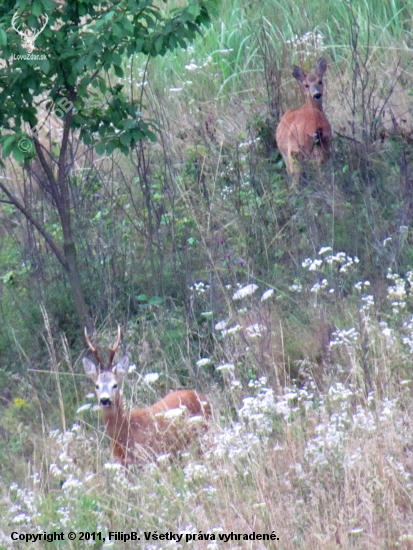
[107, 379]
[312, 83]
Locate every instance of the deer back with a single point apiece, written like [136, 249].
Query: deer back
[170, 425]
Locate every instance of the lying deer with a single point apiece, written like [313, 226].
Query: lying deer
[141, 435]
[304, 134]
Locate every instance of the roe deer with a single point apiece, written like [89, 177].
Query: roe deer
[141, 435]
[304, 134]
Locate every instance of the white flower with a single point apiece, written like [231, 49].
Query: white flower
[312, 265]
[55, 470]
[151, 377]
[71, 482]
[231, 330]
[319, 286]
[203, 362]
[21, 518]
[296, 287]
[344, 337]
[227, 367]
[84, 407]
[207, 313]
[325, 249]
[191, 67]
[267, 294]
[255, 330]
[163, 458]
[173, 413]
[221, 325]
[113, 466]
[245, 291]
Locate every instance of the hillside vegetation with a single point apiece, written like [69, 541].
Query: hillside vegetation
[291, 309]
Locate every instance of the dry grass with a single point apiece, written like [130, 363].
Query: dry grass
[321, 465]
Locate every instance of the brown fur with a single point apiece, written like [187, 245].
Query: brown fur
[304, 134]
[144, 434]
[141, 435]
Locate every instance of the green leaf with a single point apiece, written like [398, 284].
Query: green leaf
[137, 135]
[8, 145]
[7, 277]
[125, 138]
[3, 37]
[19, 155]
[102, 85]
[100, 148]
[155, 301]
[151, 136]
[128, 26]
[111, 146]
[44, 65]
[36, 9]
[118, 71]
[159, 44]
[139, 44]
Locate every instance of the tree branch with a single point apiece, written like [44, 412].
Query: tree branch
[47, 237]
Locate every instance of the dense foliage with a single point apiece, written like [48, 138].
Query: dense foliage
[291, 309]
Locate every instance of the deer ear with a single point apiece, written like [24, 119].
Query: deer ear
[90, 369]
[321, 66]
[298, 73]
[121, 368]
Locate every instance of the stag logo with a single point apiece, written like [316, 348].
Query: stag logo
[29, 35]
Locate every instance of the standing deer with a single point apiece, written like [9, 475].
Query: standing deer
[304, 134]
[141, 435]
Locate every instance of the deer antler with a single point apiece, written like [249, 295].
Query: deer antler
[45, 23]
[93, 349]
[115, 346]
[14, 24]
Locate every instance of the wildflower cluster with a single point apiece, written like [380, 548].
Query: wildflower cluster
[339, 425]
[193, 66]
[22, 508]
[399, 290]
[399, 295]
[245, 291]
[330, 269]
[31, 509]
[259, 411]
[307, 45]
[199, 288]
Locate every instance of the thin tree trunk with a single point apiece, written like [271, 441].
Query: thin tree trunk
[57, 189]
[79, 301]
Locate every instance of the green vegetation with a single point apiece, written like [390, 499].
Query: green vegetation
[290, 309]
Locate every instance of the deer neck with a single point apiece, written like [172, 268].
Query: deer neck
[116, 420]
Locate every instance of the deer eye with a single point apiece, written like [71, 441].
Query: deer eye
[97, 386]
[307, 86]
[320, 82]
[115, 386]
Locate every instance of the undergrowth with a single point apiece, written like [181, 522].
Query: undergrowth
[291, 309]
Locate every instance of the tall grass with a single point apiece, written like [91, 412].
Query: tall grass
[224, 280]
[323, 461]
[381, 26]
